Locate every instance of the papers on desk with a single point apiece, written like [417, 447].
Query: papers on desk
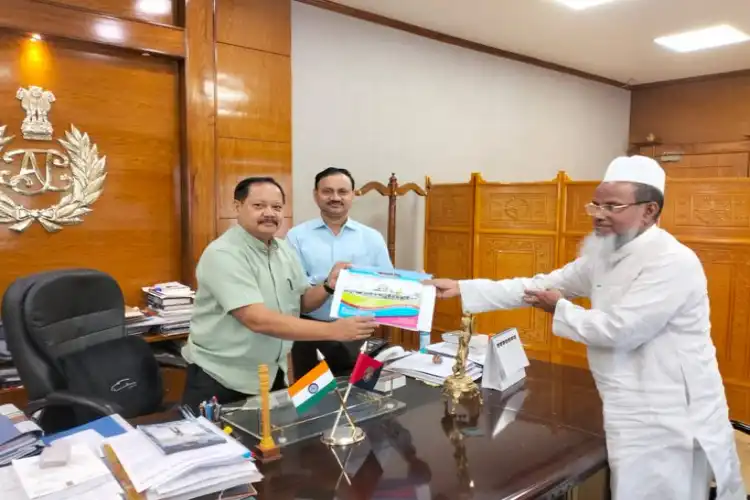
[13, 490]
[477, 354]
[184, 474]
[83, 473]
[19, 436]
[421, 367]
[500, 360]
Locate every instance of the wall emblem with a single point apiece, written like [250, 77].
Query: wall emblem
[78, 173]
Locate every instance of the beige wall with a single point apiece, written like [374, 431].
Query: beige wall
[376, 100]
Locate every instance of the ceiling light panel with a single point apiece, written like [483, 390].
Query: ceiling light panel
[583, 4]
[705, 38]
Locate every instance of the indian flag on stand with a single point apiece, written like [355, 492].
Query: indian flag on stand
[310, 389]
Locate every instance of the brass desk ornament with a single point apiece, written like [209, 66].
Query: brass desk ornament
[460, 385]
[267, 450]
[454, 424]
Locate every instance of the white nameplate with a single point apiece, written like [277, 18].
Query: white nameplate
[506, 361]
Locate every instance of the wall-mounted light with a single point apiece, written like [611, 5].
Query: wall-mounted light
[109, 31]
[36, 37]
[154, 6]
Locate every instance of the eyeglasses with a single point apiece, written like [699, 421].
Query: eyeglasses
[593, 209]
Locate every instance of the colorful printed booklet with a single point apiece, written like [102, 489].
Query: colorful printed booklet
[394, 296]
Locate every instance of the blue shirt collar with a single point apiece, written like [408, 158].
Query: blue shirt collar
[349, 224]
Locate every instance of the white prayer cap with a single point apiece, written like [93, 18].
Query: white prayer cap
[640, 169]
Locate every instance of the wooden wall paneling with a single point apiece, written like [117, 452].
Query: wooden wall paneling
[256, 24]
[695, 148]
[692, 112]
[710, 165]
[33, 16]
[253, 99]
[702, 160]
[241, 158]
[199, 95]
[449, 235]
[155, 11]
[253, 94]
[515, 231]
[711, 210]
[137, 131]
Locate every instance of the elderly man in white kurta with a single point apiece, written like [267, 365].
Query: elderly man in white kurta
[648, 336]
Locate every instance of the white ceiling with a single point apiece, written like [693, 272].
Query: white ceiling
[612, 40]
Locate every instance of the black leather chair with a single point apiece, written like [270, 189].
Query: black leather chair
[66, 332]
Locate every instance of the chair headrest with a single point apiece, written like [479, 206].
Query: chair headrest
[69, 310]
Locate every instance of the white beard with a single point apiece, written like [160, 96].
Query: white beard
[597, 248]
[600, 248]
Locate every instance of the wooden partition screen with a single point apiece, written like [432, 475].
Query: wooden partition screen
[498, 230]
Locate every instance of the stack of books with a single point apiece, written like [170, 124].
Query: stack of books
[173, 304]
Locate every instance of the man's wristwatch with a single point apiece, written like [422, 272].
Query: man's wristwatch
[327, 287]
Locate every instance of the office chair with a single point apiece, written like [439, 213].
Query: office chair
[66, 332]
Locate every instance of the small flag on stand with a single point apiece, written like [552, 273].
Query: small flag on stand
[366, 372]
[312, 387]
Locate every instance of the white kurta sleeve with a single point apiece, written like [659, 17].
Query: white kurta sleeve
[659, 291]
[483, 295]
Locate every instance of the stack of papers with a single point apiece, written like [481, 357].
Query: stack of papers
[19, 436]
[13, 489]
[421, 367]
[83, 476]
[476, 355]
[184, 474]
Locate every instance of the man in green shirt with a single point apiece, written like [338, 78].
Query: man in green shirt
[251, 290]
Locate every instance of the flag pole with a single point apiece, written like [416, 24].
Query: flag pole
[346, 398]
[346, 412]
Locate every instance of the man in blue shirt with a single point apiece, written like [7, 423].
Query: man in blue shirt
[320, 243]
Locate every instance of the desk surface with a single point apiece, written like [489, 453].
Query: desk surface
[544, 436]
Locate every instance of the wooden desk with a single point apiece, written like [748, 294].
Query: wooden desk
[547, 447]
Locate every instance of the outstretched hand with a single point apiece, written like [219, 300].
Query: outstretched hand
[543, 299]
[445, 288]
